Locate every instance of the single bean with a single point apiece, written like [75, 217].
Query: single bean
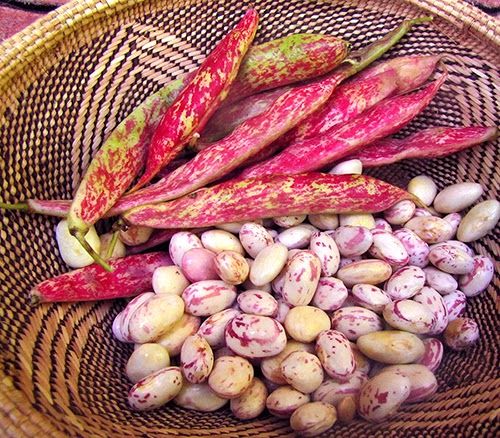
[370, 297]
[197, 359]
[357, 220]
[248, 285]
[312, 419]
[346, 409]
[283, 401]
[430, 229]
[303, 371]
[417, 249]
[231, 376]
[347, 167]
[135, 235]
[268, 264]
[433, 354]
[479, 221]
[231, 267]
[326, 250]
[173, 339]
[461, 333]
[333, 392]
[457, 244]
[199, 397]
[455, 303]
[330, 294]
[410, 316]
[441, 281]
[389, 248]
[382, 224]
[180, 243]
[252, 402]
[169, 280]
[457, 197]
[204, 298]
[451, 259]
[213, 328]
[335, 353]
[71, 250]
[431, 299]
[347, 261]
[353, 241]
[405, 282]
[146, 359]
[424, 188]
[305, 323]
[400, 212]
[454, 220]
[422, 212]
[254, 238]
[122, 320]
[219, 240]
[326, 221]
[295, 237]
[119, 251]
[257, 302]
[479, 278]
[289, 221]
[355, 321]
[365, 271]
[302, 274]
[198, 264]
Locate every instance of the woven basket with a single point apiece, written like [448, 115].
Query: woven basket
[68, 79]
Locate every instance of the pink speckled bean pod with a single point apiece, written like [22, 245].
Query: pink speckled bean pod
[208, 297]
[335, 353]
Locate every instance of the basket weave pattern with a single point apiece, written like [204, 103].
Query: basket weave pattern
[67, 81]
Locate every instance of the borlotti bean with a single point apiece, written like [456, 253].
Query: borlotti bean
[326, 250]
[400, 213]
[198, 264]
[214, 327]
[356, 321]
[302, 274]
[289, 221]
[155, 389]
[122, 320]
[370, 297]
[431, 299]
[417, 249]
[295, 237]
[334, 351]
[344, 261]
[155, 317]
[457, 197]
[313, 419]
[353, 241]
[324, 221]
[169, 280]
[383, 225]
[391, 346]
[457, 244]
[205, 298]
[346, 409]
[283, 309]
[197, 359]
[424, 188]
[454, 220]
[257, 302]
[292, 252]
[231, 267]
[252, 402]
[180, 243]
[382, 395]
[220, 240]
[255, 336]
[365, 271]
[410, 316]
[347, 167]
[71, 250]
[423, 383]
[119, 250]
[455, 303]
[479, 221]
[405, 283]
[173, 339]
[271, 366]
[430, 229]
[461, 333]
[363, 364]
[330, 294]
[303, 371]
[283, 401]
[145, 360]
[333, 392]
[441, 281]
[433, 354]
[422, 212]
[248, 285]
[479, 278]
[357, 220]
[231, 376]
[254, 238]
[389, 248]
[268, 264]
[199, 397]
[304, 323]
[451, 259]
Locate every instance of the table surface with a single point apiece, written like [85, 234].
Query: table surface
[15, 15]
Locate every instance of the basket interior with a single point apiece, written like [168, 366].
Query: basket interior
[61, 372]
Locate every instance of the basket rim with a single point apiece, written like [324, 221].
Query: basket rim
[66, 19]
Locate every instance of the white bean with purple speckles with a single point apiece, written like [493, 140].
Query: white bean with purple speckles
[330, 294]
[289, 221]
[231, 376]
[433, 353]
[451, 259]
[479, 278]
[405, 282]
[122, 320]
[423, 383]
[454, 220]
[303, 371]
[353, 241]
[332, 391]
[461, 333]
[324, 221]
[441, 281]
[295, 237]
[180, 243]
[197, 359]
[326, 250]
[213, 328]
[146, 359]
[417, 249]
[457, 244]
[205, 298]
[370, 297]
[431, 299]
[430, 229]
[356, 321]
[220, 240]
[254, 238]
[283, 401]
[231, 267]
[455, 303]
[389, 248]
[177, 334]
[268, 264]
[410, 316]
[283, 309]
[199, 397]
[334, 351]
[252, 402]
[344, 261]
[302, 274]
[257, 302]
[400, 213]
[383, 225]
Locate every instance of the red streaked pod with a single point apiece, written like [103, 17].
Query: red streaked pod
[335, 354]
[213, 328]
[433, 353]
[389, 248]
[405, 283]
[429, 143]
[326, 250]
[132, 275]
[180, 243]
[370, 297]
[479, 278]
[455, 303]
[270, 196]
[431, 299]
[417, 249]
[330, 294]
[302, 274]
[205, 298]
[383, 119]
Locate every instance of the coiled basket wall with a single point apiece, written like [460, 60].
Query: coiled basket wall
[67, 80]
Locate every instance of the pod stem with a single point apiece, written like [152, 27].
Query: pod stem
[112, 244]
[80, 236]
[21, 206]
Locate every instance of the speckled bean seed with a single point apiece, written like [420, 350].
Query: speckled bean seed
[205, 298]
[356, 321]
[405, 282]
[346, 409]
[304, 323]
[248, 285]
[430, 229]
[422, 212]
[257, 302]
[220, 240]
[455, 303]
[334, 351]
[197, 359]
[268, 264]
[431, 299]
[180, 243]
[169, 280]
[199, 397]
[457, 244]
[175, 337]
[461, 333]
[370, 297]
[423, 383]
[252, 402]
[433, 354]
[479, 278]
[283, 309]
[303, 371]
[400, 213]
[333, 392]
[326, 250]
[363, 364]
[353, 241]
[122, 320]
[313, 419]
[382, 224]
[391, 346]
[424, 188]
[479, 221]
[417, 249]
[410, 316]
[381, 396]
[326, 221]
[231, 376]
[254, 238]
[283, 401]
[348, 167]
[389, 248]
[451, 259]
[357, 220]
[295, 237]
[146, 359]
[454, 220]
[457, 197]
[441, 281]
[365, 271]
[344, 261]
[135, 235]
[231, 267]
[198, 264]
[289, 221]
[255, 336]
[330, 294]
[302, 274]
[213, 328]
[155, 389]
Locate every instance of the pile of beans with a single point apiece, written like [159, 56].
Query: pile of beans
[316, 320]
